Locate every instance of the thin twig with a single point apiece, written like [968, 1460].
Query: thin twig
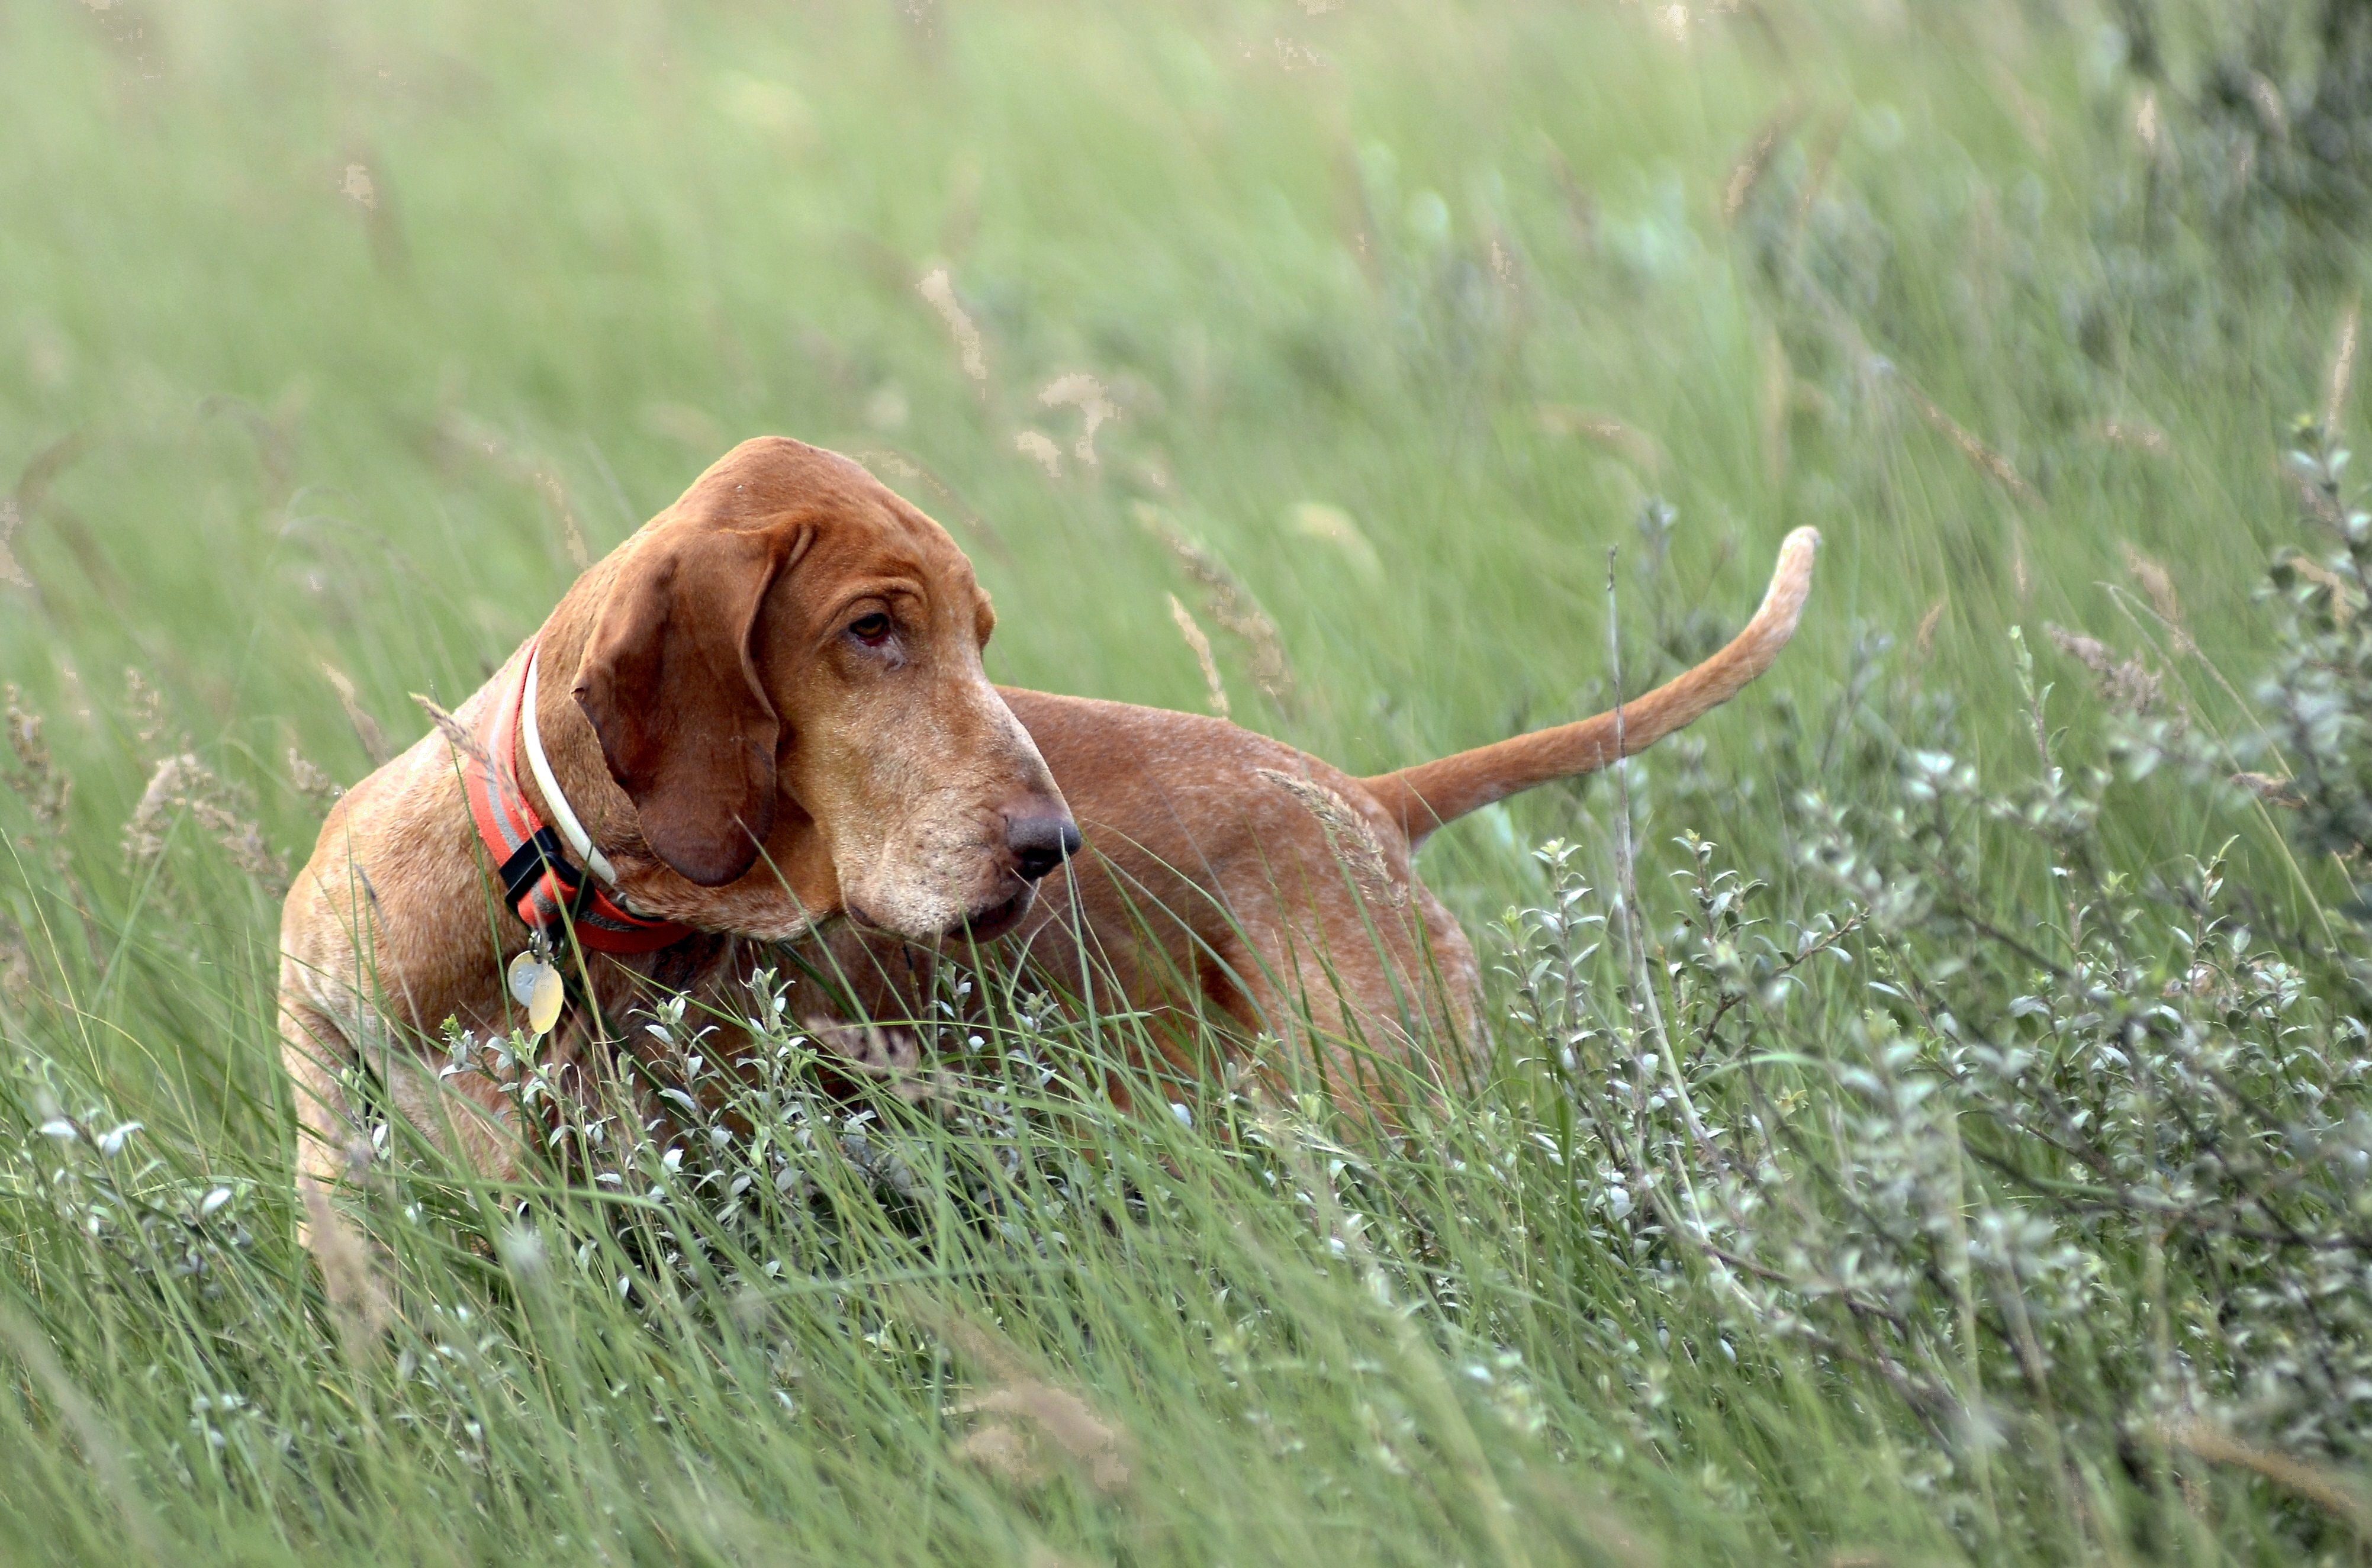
[1634, 929]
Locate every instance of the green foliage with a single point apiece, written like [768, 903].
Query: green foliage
[2057, 1189]
[1928, 1117]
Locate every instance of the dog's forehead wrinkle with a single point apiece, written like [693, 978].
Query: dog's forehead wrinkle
[848, 550]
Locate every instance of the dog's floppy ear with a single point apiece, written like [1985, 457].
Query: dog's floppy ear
[670, 681]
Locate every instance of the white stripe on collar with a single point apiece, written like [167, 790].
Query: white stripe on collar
[562, 816]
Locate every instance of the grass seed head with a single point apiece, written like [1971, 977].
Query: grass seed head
[1215, 688]
[2128, 686]
[153, 729]
[1748, 175]
[1992, 464]
[1606, 432]
[1080, 390]
[2133, 434]
[12, 519]
[312, 782]
[358, 1299]
[2158, 582]
[1354, 837]
[1316, 519]
[938, 290]
[366, 727]
[1004, 1452]
[1039, 448]
[43, 785]
[183, 782]
[1062, 1418]
[1231, 605]
[2341, 375]
[1922, 642]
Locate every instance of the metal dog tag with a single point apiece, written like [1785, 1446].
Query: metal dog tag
[535, 985]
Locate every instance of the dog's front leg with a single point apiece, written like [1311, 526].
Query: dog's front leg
[332, 1147]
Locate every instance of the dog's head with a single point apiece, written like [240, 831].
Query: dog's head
[784, 675]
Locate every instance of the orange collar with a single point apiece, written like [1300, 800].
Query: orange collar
[554, 897]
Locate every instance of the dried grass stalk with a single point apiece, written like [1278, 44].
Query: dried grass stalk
[1091, 1441]
[1777, 394]
[2326, 1489]
[1635, 446]
[33, 484]
[275, 434]
[367, 729]
[2270, 790]
[1039, 448]
[182, 782]
[91, 1433]
[1316, 519]
[2343, 369]
[1984, 457]
[37, 779]
[151, 725]
[1348, 833]
[2342, 594]
[905, 468]
[456, 734]
[1059, 1415]
[2128, 686]
[16, 963]
[939, 291]
[358, 1299]
[1924, 638]
[1080, 390]
[2158, 584]
[1832, 141]
[2267, 98]
[563, 516]
[1231, 605]
[12, 519]
[2133, 434]
[1004, 1453]
[2149, 126]
[312, 782]
[1748, 173]
[516, 461]
[1200, 645]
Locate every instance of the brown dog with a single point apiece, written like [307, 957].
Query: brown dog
[764, 708]
[1232, 879]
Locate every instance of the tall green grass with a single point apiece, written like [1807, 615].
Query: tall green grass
[334, 340]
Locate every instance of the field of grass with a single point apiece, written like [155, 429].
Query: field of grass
[1940, 1158]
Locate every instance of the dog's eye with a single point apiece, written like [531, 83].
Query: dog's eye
[871, 630]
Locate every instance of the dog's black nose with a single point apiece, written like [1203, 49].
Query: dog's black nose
[1040, 843]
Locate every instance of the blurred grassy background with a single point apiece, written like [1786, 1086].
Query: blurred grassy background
[364, 332]
[334, 339]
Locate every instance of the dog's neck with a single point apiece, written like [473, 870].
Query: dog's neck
[573, 753]
[557, 809]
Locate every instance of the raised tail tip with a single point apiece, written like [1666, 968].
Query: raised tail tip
[1791, 581]
[1423, 797]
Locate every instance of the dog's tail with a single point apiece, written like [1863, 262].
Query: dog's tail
[1422, 798]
